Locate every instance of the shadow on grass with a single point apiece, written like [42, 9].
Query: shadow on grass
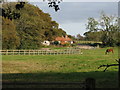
[103, 79]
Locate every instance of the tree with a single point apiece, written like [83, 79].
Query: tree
[10, 39]
[32, 27]
[109, 27]
[72, 37]
[51, 3]
[79, 37]
[54, 4]
[93, 36]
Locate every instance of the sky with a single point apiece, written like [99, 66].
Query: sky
[68, 0]
[72, 16]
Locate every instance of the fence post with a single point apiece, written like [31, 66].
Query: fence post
[7, 52]
[24, 52]
[13, 52]
[90, 84]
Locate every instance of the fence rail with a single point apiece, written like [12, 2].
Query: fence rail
[40, 52]
[88, 84]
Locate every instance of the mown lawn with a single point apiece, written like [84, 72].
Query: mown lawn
[67, 68]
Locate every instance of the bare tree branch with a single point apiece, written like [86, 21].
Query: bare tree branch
[107, 66]
[117, 60]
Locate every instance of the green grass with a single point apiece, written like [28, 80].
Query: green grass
[86, 42]
[66, 68]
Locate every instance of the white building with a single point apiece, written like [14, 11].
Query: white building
[46, 43]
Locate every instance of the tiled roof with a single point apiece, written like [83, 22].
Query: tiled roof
[63, 39]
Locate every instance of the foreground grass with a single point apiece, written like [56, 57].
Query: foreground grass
[62, 68]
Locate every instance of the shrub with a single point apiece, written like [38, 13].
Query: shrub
[67, 44]
[56, 43]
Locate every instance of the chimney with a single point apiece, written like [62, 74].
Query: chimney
[66, 36]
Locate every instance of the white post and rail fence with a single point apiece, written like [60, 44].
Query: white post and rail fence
[40, 52]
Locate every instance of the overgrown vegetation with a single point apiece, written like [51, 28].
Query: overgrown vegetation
[31, 28]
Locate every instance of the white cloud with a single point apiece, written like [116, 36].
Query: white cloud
[72, 0]
[90, 0]
[73, 15]
[74, 28]
[75, 12]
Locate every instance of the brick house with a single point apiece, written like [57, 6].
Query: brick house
[63, 40]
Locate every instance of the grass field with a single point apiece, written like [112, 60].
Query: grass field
[67, 68]
[86, 42]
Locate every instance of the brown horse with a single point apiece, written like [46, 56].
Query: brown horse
[109, 50]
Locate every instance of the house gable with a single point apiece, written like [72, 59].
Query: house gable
[63, 40]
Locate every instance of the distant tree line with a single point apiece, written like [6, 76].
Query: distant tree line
[106, 30]
[25, 26]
